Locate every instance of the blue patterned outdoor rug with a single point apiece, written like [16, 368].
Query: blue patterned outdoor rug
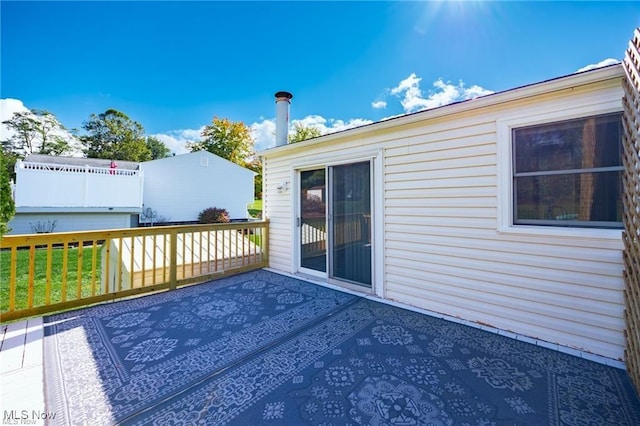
[264, 349]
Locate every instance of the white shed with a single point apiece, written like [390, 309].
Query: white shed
[178, 188]
[503, 211]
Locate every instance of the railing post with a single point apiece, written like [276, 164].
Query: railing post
[265, 244]
[173, 259]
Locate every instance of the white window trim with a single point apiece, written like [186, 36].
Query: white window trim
[553, 112]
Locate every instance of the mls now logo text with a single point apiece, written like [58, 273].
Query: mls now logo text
[25, 417]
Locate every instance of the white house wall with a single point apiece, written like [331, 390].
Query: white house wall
[444, 250]
[67, 222]
[179, 188]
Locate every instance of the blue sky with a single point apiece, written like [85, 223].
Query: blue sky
[172, 66]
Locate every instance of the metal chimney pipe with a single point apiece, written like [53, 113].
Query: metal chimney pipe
[283, 99]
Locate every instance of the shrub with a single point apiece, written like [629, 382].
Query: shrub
[43, 228]
[213, 215]
[7, 206]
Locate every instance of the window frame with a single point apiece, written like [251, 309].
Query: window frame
[560, 172]
[545, 113]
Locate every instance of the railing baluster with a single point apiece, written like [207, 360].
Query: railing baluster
[229, 263]
[173, 265]
[243, 238]
[256, 246]
[215, 243]
[47, 286]
[249, 238]
[12, 278]
[65, 264]
[236, 248]
[144, 258]
[107, 265]
[119, 259]
[184, 254]
[155, 268]
[79, 270]
[94, 266]
[164, 258]
[32, 270]
[131, 262]
[193, 249]
[200, 254]
[208, 252]
[225, 248]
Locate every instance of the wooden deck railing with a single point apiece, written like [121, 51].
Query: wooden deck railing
[41, 273]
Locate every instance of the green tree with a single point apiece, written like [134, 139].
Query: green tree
[256, 165]
[226, 139]
[10, 159]
[302, 133]
[7, 206]
[34, 132]
[158, 148]
[113, 135]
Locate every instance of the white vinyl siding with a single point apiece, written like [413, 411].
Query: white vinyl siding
[279, 208]
[444, 247]
[70, 222]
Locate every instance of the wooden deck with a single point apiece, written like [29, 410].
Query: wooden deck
[21, 378]
[21, 367]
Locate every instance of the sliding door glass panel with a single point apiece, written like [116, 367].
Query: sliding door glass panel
[351, 223]
[313, 220]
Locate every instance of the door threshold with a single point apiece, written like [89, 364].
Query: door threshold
[325, 282]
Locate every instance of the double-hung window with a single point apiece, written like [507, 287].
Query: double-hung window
[569, 173]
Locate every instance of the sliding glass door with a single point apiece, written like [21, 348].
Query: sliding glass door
[335, 222]
[350, 223]
[313, 220]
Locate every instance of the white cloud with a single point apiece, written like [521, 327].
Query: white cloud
[603, 63]
[391, 116]
[444, 93]
[340, 125]
[410, 83]
[176, 140]
[9, 106]
[379, 104]
[264, 132]
[330, 125]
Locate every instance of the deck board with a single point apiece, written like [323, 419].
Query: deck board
[12, 352]
[21, 371]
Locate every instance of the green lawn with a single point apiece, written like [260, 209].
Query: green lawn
[40, 279]
[255, 209]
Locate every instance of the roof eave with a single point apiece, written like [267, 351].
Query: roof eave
[510, 95]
